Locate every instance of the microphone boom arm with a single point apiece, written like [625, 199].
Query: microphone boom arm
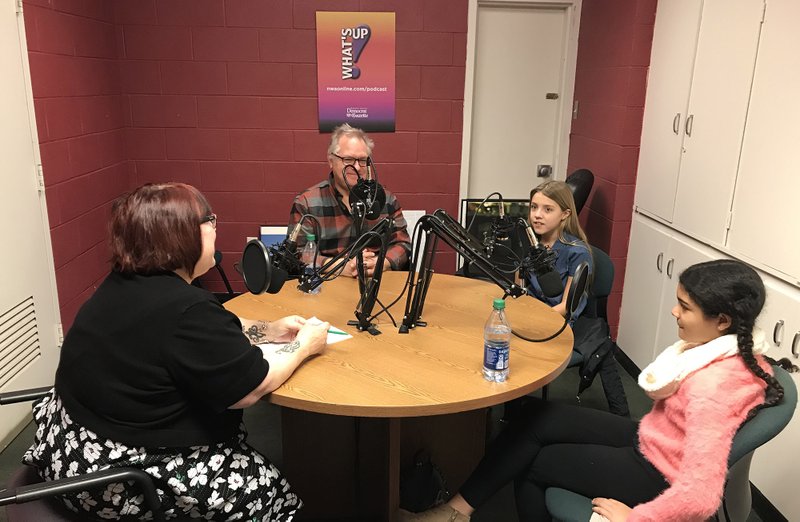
[444, 227]
[369, 289]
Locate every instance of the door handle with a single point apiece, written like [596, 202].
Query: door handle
[676, 123]
[777, 333]
[795, 345]
[660, 262]
[670, 264]
[689, 122]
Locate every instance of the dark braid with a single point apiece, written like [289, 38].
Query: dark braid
[732, 288]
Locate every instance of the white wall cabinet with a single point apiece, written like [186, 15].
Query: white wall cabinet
[775, 475]
[766, 207]
[698, 87]
[646, 323]
[733, 189]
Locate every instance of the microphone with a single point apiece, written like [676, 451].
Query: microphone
[499, 231]
[369, 192]
[540, 261]
[266, 269]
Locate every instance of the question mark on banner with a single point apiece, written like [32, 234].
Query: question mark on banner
[362, 34]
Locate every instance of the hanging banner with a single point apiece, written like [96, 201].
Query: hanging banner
[355, 70]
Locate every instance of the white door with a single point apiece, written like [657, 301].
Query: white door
[518, 98]
[768, 185]
[723, 75]
[641, 298]
[28, 303]
[669, 80]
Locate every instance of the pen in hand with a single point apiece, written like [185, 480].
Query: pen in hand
[337, 332]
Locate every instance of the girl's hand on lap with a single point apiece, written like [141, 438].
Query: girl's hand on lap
[613, 510]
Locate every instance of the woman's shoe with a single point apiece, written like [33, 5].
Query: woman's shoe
[443, 513]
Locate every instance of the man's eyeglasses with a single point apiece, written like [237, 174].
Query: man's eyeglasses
[211, 218]
[362, 162]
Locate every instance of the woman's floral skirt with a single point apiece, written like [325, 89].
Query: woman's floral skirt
[226, 481]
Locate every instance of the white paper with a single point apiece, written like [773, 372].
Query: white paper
[333, 338]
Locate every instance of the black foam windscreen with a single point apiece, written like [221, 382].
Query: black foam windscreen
[550, 283]
[257, 271]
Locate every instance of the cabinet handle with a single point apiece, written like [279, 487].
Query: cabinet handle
[777, 333]
[795, 344]
[660, 262]
[676, 124]
[689, 122]
[670, 263]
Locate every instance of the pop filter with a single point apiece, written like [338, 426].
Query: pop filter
[258, 272]
[371, 193]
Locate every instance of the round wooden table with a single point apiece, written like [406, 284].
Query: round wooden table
[430, 371]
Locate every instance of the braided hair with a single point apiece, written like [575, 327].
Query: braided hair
[730, 287]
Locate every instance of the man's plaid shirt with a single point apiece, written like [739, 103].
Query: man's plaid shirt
[336, 223]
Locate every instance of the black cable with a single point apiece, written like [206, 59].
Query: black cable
[563, 326]
[471, 221]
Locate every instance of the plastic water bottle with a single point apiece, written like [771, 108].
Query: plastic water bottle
[496, 342]
[308, 257]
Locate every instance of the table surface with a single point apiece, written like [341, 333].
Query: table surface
[431, 370]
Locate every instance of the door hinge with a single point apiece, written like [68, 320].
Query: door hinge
[764, 12]
[59, 334]
[728, 220]
[19, 6]
[40, 178]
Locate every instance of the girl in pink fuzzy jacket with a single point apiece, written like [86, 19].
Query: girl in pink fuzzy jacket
[672, 464]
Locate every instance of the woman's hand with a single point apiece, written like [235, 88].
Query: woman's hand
[285, 329]
[313, 337]
[613, 510]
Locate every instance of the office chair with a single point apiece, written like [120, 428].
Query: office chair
[27, 497]
[567, 506]
[580, 182]
[596, 354]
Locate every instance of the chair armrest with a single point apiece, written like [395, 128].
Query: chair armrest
[24, 395]
[40, 490]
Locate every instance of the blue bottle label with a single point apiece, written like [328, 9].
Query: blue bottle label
[495, 357]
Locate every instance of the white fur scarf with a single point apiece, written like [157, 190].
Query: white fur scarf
[663, 376]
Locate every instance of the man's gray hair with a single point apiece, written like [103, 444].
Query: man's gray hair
[345, 129]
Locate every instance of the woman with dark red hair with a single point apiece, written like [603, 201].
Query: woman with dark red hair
[154, 374]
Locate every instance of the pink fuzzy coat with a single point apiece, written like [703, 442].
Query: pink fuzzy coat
[688, 437]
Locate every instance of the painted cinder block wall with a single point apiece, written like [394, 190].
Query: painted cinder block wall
[610, 82]
[222, 94]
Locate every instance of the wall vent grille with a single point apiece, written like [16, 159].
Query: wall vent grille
[19, 340]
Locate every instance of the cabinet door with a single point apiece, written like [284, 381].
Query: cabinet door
[723, 74]
[641, 296]
[668, 83]
[775, 475]
[765, 207]
[681, 254]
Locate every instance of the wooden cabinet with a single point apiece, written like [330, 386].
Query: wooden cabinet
[661, 254]
[766, 207]
[698, 86]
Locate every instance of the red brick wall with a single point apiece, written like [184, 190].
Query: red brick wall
[222, 94]
[72, 52]
[611, 76]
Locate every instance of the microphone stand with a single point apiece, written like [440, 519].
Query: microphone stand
[369, 290]
[451, 232]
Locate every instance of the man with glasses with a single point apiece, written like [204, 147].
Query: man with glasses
[329, 201]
